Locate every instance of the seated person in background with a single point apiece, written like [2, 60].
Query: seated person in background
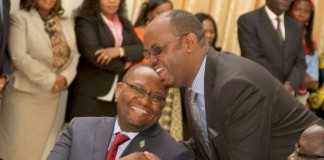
[310, 145]
[140, 98]
[210, 29]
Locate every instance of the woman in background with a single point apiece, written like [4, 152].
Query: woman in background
[107, 44]
[148, 11]
[44, 55]
[302, 11]
[210, 29]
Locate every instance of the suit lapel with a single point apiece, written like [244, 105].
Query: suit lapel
[288, 36]
[103, 136]
[105, 33]
[39, 26]
[209, 86]
[143, 141]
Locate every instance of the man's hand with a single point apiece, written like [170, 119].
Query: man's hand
[3, 82]
[141, 156]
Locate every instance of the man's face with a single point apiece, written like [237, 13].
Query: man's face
[278, 6]
[140, 100]
[165, 52]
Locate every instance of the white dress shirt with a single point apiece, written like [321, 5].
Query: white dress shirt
[123, 146]
[273, 18]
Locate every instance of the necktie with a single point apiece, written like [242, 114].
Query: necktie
[119, 139]
[199, 125]
[279, 31]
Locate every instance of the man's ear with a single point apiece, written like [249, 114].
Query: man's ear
[190, 40]
[118, 89]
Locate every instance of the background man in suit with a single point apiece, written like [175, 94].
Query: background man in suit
[236, 109]
[4, 29]
[310, 144]
[140, 99]
[272, 39]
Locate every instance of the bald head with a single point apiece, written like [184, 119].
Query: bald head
[140, 70]
[313, 139]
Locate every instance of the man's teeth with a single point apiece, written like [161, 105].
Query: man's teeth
[140, 110]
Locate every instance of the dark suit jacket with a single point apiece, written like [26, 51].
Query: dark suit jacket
[4, 30]
[94, 80]
[249, 114]
[88, 139]
[260, 43]
[92, 34]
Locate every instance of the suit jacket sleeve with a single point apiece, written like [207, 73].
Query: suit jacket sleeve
[61, 150]
[249, 42]
[36, 71]
[245, 119]
[134, 50]
[297, 73]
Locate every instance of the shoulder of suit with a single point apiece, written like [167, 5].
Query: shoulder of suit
[90, 121]
[252, 14]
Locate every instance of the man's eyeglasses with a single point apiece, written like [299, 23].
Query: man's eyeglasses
[306, 155]
[156, 98]
[156, 50]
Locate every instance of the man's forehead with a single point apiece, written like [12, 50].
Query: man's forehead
[157, 30]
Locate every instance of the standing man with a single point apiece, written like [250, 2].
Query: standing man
[4, 30]
[269, 37]
[235, 109]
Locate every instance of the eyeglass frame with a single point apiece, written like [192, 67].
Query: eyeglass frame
[155, 50]
[141, 93]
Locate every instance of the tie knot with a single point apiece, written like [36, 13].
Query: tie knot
[120, 138]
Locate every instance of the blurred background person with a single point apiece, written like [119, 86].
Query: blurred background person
[107, 44]
[210, 29]
[4, 59]
[302, 11]
[149, 10]
[44, 54]
[4, 25]
[272, 39]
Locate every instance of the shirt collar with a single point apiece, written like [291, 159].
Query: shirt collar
[198, 83]
[272, 15]
[130, 135]
[108, 21]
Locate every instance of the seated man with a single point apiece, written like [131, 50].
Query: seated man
[140, 99]
[310, 144]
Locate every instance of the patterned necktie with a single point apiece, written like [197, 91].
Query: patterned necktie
[199, 125]
[119, 139]
[279, 31]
